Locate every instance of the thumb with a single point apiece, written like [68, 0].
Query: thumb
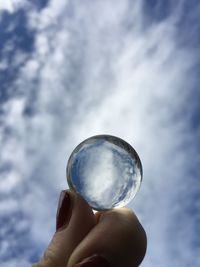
[118, 239]
[74, 220]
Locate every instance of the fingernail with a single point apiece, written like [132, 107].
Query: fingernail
[93, 261]
[63, 211]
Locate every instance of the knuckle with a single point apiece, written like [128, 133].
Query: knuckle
[38, 264]
[48, 259]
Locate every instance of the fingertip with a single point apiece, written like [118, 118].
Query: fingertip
[127, 219]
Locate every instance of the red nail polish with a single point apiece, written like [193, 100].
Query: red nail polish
[64, 210]
[93, 261]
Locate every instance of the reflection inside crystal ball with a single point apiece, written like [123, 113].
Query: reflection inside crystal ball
[105, 170]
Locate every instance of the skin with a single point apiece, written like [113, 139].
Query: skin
[115, 234]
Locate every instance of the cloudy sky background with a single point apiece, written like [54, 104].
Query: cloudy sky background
[73, 69]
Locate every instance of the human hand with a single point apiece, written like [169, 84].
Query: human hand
[112, 238]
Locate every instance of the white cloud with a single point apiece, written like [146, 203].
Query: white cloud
[7, 207]
[99, 70]
[11, 5]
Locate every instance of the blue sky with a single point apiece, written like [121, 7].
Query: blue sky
[70, 70]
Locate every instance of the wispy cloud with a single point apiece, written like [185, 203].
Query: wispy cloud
[11, 5]
[105, 67]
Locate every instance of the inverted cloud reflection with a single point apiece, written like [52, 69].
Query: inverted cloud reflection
[105, 174]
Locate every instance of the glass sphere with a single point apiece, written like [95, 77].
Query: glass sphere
[105, 170]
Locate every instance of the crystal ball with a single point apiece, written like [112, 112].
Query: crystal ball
[105, 170]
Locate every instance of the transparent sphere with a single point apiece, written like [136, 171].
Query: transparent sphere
[105, 170]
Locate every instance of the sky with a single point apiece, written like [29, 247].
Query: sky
[73, 69]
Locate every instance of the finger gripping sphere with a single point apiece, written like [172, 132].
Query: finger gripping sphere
[105, 170]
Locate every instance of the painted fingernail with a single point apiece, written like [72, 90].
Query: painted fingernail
[93, 261]
[64, 210]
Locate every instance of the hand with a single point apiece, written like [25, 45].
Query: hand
[112, 238]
